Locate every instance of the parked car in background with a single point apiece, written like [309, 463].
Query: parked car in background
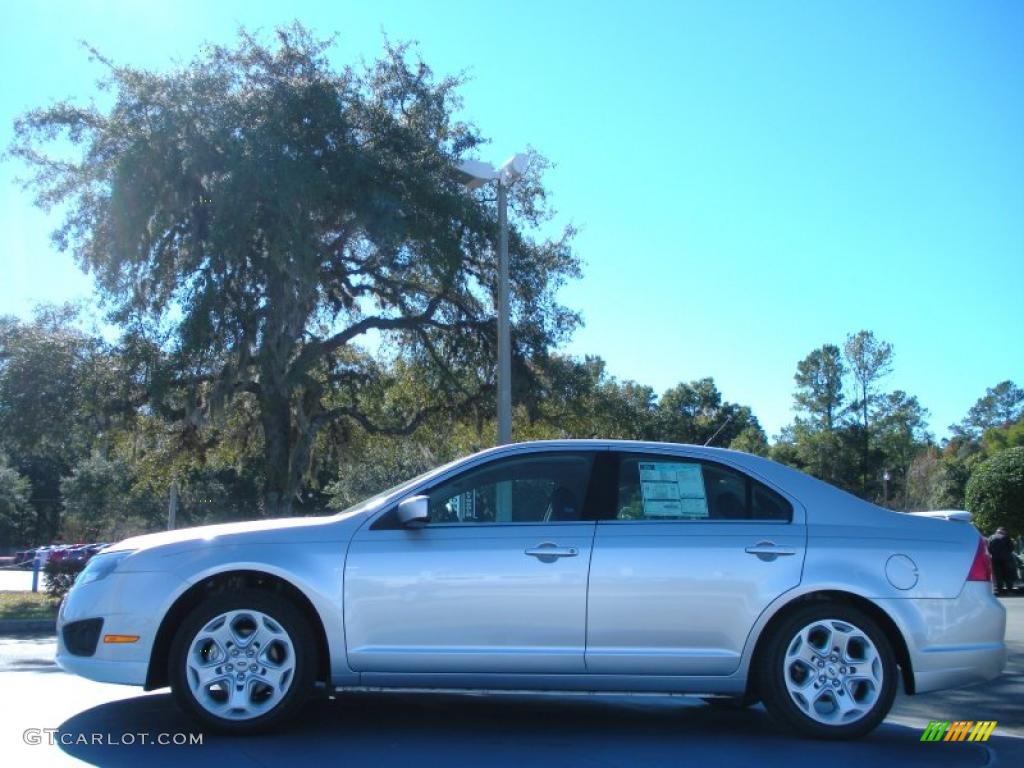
[81, 554]
[567, 565]
[77, 553]
[42, 554]
[23, 559]
[58, 554]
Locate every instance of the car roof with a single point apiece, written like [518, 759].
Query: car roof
[758, 464]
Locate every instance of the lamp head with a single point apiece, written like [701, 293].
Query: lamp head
[475, 173]
[514, 168]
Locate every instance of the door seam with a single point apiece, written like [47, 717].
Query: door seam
[586, 605]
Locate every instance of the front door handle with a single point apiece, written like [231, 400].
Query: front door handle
[548, 552]
[767, 550]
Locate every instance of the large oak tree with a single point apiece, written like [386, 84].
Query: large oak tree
[253, 215]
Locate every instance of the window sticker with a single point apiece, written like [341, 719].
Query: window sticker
[673, 490]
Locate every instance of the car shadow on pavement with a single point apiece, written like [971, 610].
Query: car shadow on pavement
[400, 730]
[995, 700]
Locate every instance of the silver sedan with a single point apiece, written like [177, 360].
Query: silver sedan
[553, 566]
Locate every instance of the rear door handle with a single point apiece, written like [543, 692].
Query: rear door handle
[767, 550]
[548, 552]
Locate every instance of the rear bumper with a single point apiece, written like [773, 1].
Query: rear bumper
[958, 667]
[952, 642]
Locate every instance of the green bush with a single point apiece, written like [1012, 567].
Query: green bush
[59, 576]
[995, 492]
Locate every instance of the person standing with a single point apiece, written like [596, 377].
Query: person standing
[1004, 568]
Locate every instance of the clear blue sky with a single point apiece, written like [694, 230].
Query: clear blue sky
[751, 179]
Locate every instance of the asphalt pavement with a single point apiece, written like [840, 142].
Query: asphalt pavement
[16, 579]
[103, 725]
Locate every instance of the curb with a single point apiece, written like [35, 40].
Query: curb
[28, 626]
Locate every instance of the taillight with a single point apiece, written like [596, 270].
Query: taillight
[981, 568]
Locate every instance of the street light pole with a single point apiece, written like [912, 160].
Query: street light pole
[504, 338]
[475, 174]
[172, 506]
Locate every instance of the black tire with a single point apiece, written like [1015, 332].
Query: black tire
[772, 674]
[300, 682]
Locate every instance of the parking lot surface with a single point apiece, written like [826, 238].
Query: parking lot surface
[383, 730]
[12, 579]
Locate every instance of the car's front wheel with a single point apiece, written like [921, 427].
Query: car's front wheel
[829, 671]
[243, 662]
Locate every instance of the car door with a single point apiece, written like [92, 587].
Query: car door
[693, 554]
[495, 582]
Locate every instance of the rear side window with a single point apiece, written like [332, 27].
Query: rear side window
[768, 505]
[667, 488]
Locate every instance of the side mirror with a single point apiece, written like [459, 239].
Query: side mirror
[414, 511]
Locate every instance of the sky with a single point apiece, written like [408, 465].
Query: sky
[751, 180]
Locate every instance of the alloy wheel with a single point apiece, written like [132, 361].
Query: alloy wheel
[240, 665]
[833, 672]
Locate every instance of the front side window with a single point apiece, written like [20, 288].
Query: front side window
[668, 488]
[528, 489]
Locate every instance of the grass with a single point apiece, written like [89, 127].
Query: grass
[27, 605]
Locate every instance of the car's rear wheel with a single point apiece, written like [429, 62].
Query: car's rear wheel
[243, 662]
[829, 671]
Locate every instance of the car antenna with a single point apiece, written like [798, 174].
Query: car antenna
[724, 424]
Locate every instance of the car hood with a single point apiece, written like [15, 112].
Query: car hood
[281, 530]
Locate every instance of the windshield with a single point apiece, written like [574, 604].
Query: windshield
[397, 490]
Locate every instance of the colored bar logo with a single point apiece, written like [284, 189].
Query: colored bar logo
[958, 730]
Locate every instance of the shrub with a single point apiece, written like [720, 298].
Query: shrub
[59, 576]
[995, 492]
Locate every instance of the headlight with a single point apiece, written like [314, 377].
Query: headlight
[101, 566]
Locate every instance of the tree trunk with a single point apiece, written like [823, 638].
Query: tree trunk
[277, 490]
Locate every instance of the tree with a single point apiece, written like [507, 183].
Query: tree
[869, 360]
[751, 440]
[999, 406]
[577, 398]
[696, 413]
[854, 446]
[900, 435]
[258, 214]
[995, 492]
[819, 381]
[784, 449]
[926, 481]
[101, 504]
[967, 448]
[61, 392]
[1000, 438]
[17, 518]
[382, 462]
[43, 367]
[819, 395]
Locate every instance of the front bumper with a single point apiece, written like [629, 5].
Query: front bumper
[952, 643]
[127, 604]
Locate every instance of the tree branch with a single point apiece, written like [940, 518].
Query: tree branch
[318, 349]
